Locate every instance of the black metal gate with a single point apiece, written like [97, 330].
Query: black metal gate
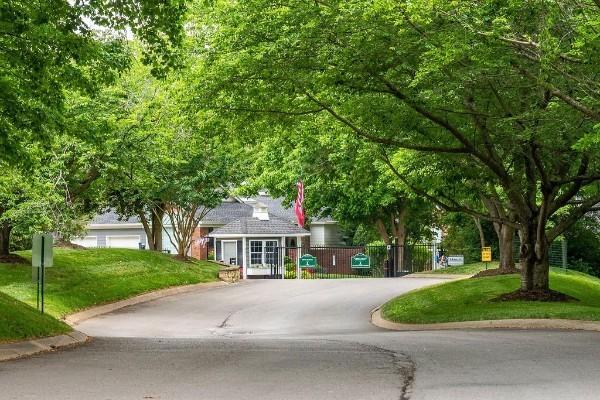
[336, 262]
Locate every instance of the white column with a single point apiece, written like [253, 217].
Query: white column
[282, 256]
[434, 256]
[244, 259]
[298, 248]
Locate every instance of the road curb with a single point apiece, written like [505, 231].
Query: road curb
[14, 350]
[566, 324]
[78, 317]
[455, 277]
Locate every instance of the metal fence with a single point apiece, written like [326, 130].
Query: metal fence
[336, 262]
[557, 253]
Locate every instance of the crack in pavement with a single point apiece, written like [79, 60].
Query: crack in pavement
[224, 323]
[404, 365]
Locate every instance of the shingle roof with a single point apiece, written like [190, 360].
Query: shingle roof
[228, 211]
[111, 217]
[225, 213]
[277, 208]
[254, 226]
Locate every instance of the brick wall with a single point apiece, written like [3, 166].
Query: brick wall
[200, 249]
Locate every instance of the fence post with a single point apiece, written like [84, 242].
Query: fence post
[434, 255]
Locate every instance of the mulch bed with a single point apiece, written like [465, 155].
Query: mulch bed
[546, 296]
[13, 259]
[495, 272]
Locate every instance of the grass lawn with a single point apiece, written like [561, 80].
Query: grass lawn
[19, 321]
[84, 278]
[470, 300]
[467, 269]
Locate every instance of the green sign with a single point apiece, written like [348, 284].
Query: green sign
[308, 261]
[361, 261]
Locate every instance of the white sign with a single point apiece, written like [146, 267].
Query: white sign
[37, 250]
[456, 260]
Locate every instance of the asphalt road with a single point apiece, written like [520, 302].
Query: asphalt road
[301, 340]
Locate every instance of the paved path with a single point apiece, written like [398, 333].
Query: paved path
[301, 340]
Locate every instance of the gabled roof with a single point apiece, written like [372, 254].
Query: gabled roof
[253, 226]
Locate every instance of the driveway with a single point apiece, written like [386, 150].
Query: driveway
[261, 307]
[301, 340]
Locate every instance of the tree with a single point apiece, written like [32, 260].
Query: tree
[342, 178]
[511, 89]
[199, 183]
[48, 46]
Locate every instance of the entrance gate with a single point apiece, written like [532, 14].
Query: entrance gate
[338, 262]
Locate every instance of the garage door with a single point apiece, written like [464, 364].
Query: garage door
[123, 242]
[87, 241]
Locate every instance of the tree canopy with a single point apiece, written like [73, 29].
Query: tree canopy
[510, 89]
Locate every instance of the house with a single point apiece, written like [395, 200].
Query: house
[255, 242]
[235, 215]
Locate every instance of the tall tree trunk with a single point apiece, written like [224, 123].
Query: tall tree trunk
[5, 229]
[506, 236]
[399, 226]
[383, 232]
[480, 230]
[147, 230]
[157, 227]
[154, 227]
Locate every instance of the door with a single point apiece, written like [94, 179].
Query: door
[123, 241]
[230, 252]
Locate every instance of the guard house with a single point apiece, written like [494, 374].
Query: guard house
[253, 242]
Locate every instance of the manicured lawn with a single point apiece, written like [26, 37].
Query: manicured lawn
[84, 278]
[470, 300]
[467, 269]
[19, 321]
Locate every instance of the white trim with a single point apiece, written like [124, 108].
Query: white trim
[323, 222]
[127, 225]
[255, 235]
[263, 253]
[298, 251]
[282, 257]
[244, 259]
[211, 224]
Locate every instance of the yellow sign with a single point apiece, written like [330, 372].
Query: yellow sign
[486, 254]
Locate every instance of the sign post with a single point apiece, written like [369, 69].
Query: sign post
[41, 258]
[486, 255]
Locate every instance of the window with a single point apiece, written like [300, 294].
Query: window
[263, 253]
[270, 252]
[256, 252]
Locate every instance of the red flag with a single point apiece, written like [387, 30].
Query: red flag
[298, 204]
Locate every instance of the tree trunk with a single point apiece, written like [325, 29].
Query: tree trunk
[5, 229]
[157, 227]
[147, 230]
[506, 235]
[383, 232]
[535, 266]
[480, 230]
[400, 233]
